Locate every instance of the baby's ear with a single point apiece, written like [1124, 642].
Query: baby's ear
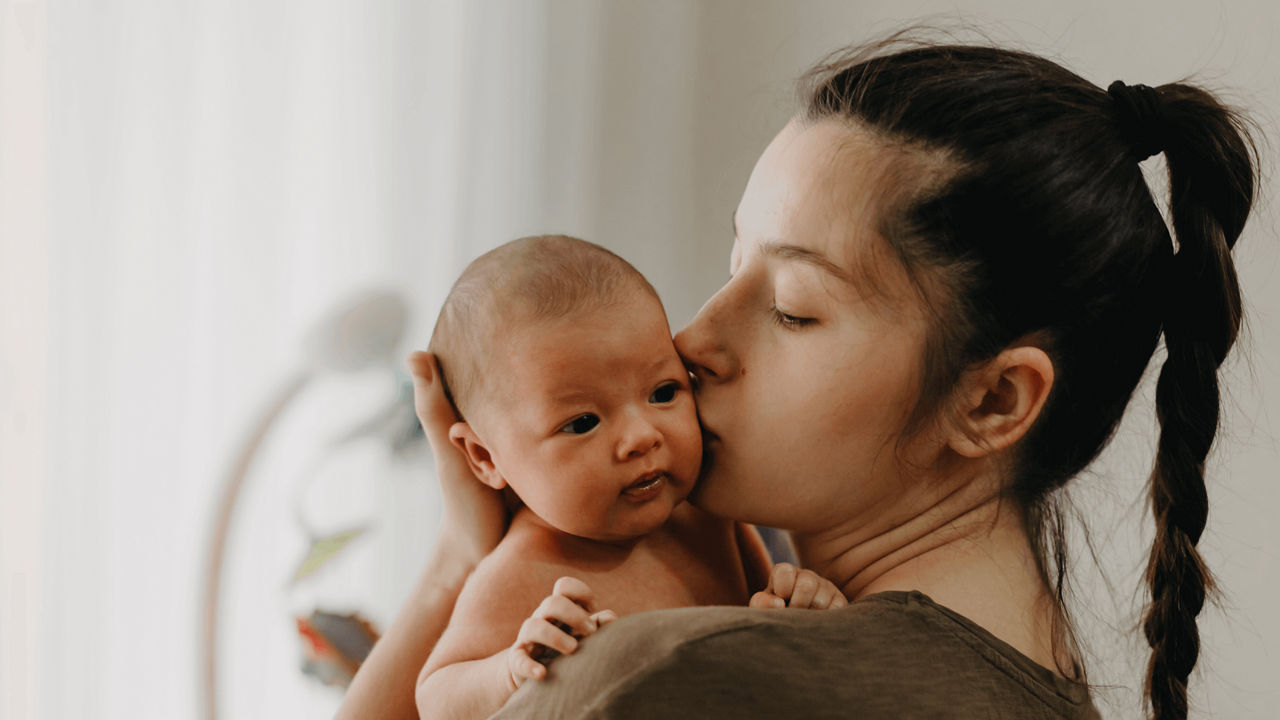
[478, 456]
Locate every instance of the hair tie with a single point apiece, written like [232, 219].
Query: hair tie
[1140, 117]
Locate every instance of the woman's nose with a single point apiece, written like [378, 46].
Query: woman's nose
[701, 344]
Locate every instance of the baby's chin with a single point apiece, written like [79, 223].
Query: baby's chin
[630, 533]
[630, 520]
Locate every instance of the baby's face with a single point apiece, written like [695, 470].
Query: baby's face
[599, 435]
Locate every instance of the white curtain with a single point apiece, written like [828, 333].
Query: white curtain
[187, 186]
[217, 175]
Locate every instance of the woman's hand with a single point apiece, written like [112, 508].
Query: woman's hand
[791, 587]
[474, 520]
[474, 517]
[555, 628]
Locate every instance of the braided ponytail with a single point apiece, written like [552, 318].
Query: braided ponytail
[1211, 177]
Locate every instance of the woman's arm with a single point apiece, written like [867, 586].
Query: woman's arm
[473, 521]
[384, 685]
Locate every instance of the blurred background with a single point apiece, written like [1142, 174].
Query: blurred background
[189, 192]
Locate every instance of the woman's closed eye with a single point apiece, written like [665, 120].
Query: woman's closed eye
[581, 424]
[665, 393]
[789, 321]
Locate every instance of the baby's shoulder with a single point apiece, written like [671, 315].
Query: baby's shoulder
[687, 517]
[527, 554]
[691, 531]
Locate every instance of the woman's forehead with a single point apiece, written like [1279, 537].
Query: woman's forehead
[820, 189]
[815, 181]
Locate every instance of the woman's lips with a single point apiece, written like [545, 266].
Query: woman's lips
[646, 488]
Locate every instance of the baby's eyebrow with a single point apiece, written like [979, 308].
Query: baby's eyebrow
[571, 397]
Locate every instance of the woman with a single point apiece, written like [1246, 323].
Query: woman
[947, 279]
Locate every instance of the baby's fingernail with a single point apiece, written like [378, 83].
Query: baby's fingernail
[779, 602]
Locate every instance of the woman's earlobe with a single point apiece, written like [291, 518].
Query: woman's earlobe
[1001, 401]
[464, 437]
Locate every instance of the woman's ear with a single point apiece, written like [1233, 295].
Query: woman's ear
[999, 401]
[477, 453]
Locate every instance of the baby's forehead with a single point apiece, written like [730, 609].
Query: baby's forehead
[572, 335]
[591, 373]
[634, 310]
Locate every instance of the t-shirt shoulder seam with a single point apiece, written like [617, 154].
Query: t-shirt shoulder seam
[997, 660]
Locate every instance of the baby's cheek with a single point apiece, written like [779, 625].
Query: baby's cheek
[690, 442]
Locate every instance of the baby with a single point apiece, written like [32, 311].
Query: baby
[557, 356]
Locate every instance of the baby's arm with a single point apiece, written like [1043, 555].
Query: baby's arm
[792, 587]
[459, 682]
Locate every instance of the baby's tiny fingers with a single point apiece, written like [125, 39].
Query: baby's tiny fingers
[524, 667]
[765, 600]
[562, 610]
[825, 596]
[575, 590]
[782, 581]
[537, 631]
[806, 587]
[604, 617]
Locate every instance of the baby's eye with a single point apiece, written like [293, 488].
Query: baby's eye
[581, 424]
[665, 394]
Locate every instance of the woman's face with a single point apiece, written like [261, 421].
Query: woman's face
[808, 358]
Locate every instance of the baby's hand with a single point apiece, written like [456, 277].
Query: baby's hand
[554, 629]
[792, 587]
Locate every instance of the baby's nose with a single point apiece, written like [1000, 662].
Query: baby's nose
[641, 438]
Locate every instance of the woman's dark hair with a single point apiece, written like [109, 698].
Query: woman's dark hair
[1042, 229]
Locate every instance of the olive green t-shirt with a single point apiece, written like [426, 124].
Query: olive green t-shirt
[890, 655]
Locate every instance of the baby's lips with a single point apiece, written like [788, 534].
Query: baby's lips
[646, 487]
[647, 478]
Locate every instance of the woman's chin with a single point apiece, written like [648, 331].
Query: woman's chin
[719, 490]
[706, 497]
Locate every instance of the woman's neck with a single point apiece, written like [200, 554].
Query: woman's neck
[968, 551]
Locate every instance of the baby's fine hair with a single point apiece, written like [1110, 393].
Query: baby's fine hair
[532, 279]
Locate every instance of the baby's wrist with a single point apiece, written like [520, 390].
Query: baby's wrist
[507, 682]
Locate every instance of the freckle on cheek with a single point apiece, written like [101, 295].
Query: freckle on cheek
[742, 371]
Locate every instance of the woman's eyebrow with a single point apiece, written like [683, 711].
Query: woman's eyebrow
[795, 252]
[807, 256]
